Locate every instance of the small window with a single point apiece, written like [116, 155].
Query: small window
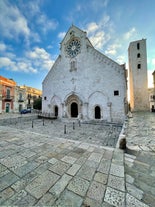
[20, 96]
[44, 97]
[138, 55]
[73, 66]
[138, 46]
[8, 93]
[116, 93]
[139, 66]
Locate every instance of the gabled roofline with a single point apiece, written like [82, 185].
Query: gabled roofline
[108, 57]
[70, 29]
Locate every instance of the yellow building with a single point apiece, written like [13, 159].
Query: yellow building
[7, 94]
[31, 95]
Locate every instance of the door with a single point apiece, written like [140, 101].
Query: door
[7, 109]
[74, 109]
[56, 111]
[97, 112]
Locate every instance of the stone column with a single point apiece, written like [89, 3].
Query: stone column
[109, 104]
[85, 111]
[62, 110]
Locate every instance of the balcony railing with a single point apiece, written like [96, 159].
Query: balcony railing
[20, 100]
[7, 98]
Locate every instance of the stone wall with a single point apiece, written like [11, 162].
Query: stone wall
[14, 120]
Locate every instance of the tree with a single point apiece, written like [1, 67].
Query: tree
[37, 104]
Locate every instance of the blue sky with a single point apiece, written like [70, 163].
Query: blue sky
[31, 32]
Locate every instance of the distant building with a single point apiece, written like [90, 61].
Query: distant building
[7, 94]
[138, 83]
[14, 98]
[152, 95]
[84, 83]
[20, 99]
[31, 95]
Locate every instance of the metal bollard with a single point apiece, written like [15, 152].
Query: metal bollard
[65, 129]
[79, 123]
[73, 125]
[32, 123]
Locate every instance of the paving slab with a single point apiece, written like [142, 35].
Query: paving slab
[69, 199]
[39, 186]
[131, 201]
[60, 167]
[96, 191]
[79, 186]
[114, 197]
[60, 185]
[86, 172]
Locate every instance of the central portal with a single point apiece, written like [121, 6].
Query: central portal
[97, 112]
[74, 109]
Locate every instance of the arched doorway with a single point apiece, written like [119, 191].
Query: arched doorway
[74, 109]
[56, 111]
[7, 109]
[97, 112]
[73, 106]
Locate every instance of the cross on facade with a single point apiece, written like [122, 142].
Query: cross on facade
[73, 80]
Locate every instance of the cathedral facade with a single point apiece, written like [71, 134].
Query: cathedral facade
[84, 83]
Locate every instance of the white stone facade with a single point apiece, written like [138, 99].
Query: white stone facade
[83, 83]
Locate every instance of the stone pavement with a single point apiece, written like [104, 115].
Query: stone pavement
[43, 170]
[140, 163]
[103, 134]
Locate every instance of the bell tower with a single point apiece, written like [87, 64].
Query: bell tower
[138, 82]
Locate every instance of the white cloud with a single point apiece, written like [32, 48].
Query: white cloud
[25, 67]
[99, 33]
[112, 49]
[20, 66]
[92, 27]
[12, 22]
[2, 47]
[61, 35]
[32, 10]
[6, 62]
[38, 53]
[130, 33]
[46, 24]
[34, 61]
[121, 59]
[98, 40]
[41, 58]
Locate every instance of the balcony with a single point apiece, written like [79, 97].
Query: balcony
[20, 100]
[7, 98]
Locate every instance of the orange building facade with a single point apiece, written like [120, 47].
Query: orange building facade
[7, 94]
